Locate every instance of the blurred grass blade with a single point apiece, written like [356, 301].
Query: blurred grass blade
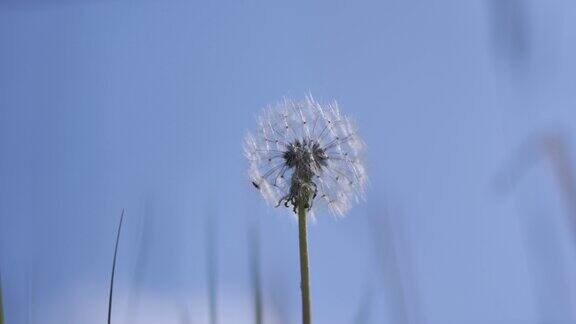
[280, 303]
[364, 311]
[1, 304]
[145, 242]
[212, 261]
[185, 317]
[385, 247]
[255, 276]
[114, 268]
[557, 150]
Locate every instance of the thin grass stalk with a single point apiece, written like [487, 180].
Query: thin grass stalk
[1, 304]
[212, 262]
[255, 274]
[304, 268]
[29, 297]
[114, 268]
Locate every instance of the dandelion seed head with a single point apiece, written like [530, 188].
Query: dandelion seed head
[305, 152]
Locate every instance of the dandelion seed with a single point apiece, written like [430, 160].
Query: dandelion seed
[304, 150]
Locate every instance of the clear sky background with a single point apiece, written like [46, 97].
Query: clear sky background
[143, 106]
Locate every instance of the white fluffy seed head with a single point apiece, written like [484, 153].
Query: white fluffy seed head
[306, 144]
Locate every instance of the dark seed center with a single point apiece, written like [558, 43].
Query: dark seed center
[307, 158]
[305, 155]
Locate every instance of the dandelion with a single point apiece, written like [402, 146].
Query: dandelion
[305, 152]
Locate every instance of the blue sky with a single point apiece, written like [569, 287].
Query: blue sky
[143, 105]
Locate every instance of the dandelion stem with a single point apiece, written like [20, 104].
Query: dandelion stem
[304, 271]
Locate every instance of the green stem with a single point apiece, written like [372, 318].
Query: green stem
[304, 271]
